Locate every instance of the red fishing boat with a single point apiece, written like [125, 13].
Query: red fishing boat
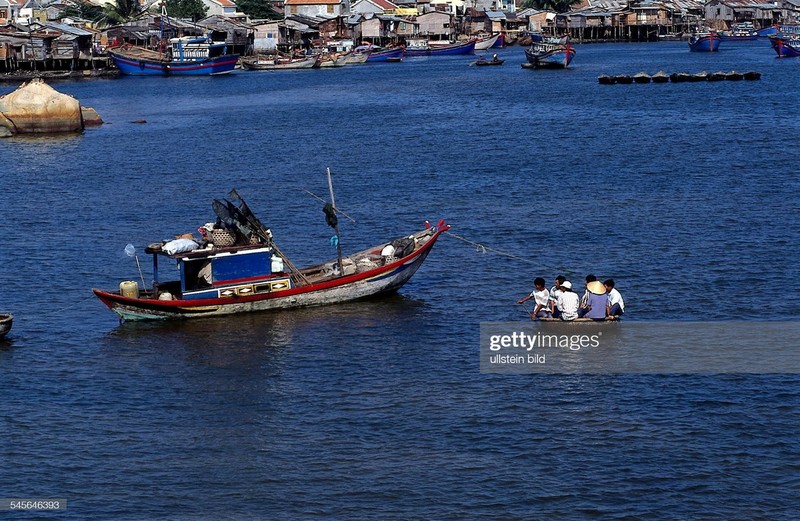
[237, 268]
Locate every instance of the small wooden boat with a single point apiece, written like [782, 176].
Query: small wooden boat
[642, 77]
[261, 63]
[240, 269]
[752, 75]
[6, 320]
[734, 76]
[483, 61]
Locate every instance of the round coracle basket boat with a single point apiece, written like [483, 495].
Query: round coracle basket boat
[6, 320]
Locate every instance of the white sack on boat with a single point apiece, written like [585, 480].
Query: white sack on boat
[179, 246]
[35, 107]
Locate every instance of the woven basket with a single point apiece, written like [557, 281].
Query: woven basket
[222, 238]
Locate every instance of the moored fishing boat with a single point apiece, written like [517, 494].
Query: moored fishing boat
[187, 56]
[184, 56]
[547, 52]
[441, 50]
[739, 32]
[260, 63]
[785, 45]
[380, 54]
[704, 42]
[240, 269]
[6, 321]
[481, 44]
[353, 58]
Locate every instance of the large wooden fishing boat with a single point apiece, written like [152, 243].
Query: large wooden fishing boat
[184, 56]
[238, 268]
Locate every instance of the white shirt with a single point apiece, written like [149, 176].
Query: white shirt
[567, 303]
[554, 293]
[541, 298]
[615, 298]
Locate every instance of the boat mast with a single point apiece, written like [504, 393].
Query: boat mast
[162, 44]
[336, 223]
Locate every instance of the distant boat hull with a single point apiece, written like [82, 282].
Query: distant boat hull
[384, 54]
[550, 55]
[738, 37]
[443, 50]
[486, 43]
[707, 43]
[785, 47]
[272, 65]
[132, 66]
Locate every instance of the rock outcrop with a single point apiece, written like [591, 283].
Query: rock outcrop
[37, 108]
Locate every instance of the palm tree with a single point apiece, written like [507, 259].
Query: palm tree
[125, 10]
[558, 6]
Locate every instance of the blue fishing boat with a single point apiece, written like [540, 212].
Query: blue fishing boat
[380, 54]
[428, 49]
[550, 52]
[787, 46]
[704, 42]
[186, 56]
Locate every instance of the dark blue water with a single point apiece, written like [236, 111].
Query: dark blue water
[686, 194]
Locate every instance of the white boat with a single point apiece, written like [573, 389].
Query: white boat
[486, 43]
[278, 63]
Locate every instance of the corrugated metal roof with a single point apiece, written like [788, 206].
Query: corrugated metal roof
[495, 15]
[64, 28]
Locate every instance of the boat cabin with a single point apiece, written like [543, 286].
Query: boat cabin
[193, 48]
[223, 273]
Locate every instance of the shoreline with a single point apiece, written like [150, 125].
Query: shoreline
[11, 77]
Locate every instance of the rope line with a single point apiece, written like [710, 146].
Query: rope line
[72, 306]
[482, 248]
